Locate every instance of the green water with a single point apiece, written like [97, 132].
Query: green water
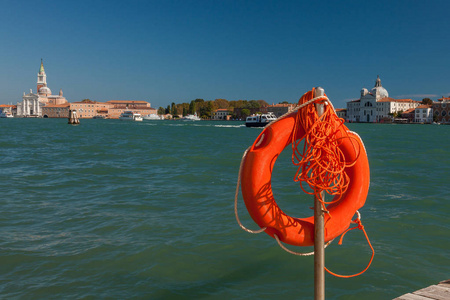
[144, 210]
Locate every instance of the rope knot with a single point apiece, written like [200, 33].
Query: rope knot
[360, 226]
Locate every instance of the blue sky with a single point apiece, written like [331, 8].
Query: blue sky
[177, 51]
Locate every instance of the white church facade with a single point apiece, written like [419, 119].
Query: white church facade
[376, 105]
[32, 103]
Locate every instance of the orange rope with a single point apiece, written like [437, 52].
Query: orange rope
[361, 227]
[321, 164]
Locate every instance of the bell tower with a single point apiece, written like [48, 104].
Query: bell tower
[42, 78]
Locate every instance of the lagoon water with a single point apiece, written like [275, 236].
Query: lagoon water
[144, 210]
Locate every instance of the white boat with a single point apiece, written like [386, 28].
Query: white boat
[260, 120]
[6, 115]
[153, 117]
[130, 116]
[193, 117]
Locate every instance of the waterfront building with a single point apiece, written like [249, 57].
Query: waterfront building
[119, 106]
[88, 109]
[409, 114]
[56, 110]
[221, 114]
[376, 105]
[441, 110]
[423, 114]
[341, 113]
[388, 106]
[32, 103]
[280, 109]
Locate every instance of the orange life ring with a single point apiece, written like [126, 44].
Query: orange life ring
[257, 190]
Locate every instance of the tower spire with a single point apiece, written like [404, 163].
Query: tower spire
[41, 69]
[378, 82]
[42, 77]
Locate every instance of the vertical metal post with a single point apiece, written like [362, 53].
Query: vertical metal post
[319, 236]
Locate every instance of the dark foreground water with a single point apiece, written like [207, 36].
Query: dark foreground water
[128, 210]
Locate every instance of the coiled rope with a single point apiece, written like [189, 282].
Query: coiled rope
[321, 163]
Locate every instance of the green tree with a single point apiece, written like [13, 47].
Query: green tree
[161, 111]
[398, 114]
[253, 104]
[192, 107]
[262, 103]
[435, 118]
[221, 103]
[238, 103]
[245, 112]
[205, 110]
[168, 109]
[427, 101]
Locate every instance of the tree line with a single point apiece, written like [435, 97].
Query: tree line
[205, 109]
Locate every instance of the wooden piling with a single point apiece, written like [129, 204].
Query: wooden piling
[73, 117]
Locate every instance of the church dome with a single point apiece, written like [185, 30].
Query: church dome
[378, 91]
[45, 90]
[364, 92]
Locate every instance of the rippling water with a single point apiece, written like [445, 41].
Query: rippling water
[112, 209]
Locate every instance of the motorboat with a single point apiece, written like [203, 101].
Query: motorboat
[6, 115]
[130, 116]
[260, 120]
[153, 117]
[193, 117]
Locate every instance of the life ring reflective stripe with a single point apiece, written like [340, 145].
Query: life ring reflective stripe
[257, 190]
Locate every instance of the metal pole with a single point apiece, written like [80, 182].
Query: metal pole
[319, 237]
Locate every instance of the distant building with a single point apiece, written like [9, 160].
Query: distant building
[423, 114]
[353, 108]
[32, 103]
[409, 114]
[221, 114]
[441, 110]
[341, 113]
[89, 109]
[56, 110]
[376, 105]
[388, 106]
[280, 109]
[119, 106]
